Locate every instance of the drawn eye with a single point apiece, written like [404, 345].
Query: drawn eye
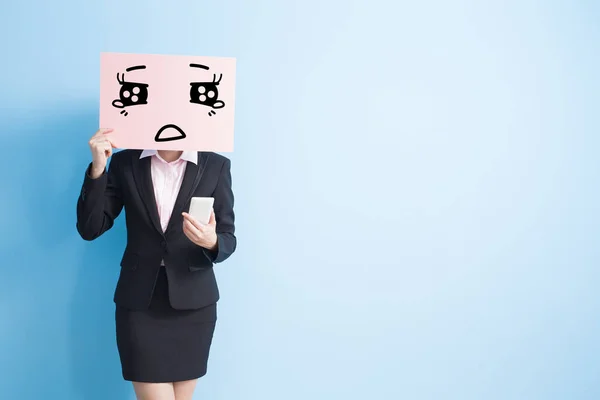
[207, 94]
[130, 94]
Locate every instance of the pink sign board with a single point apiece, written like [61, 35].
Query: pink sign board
[168, 102]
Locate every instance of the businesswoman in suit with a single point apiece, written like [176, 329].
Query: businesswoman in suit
[166, 295]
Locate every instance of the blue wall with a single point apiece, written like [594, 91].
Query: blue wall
[416, 191]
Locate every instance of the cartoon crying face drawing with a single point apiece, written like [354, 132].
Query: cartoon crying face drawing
[168, 102]
[206, 93]
[131, 93]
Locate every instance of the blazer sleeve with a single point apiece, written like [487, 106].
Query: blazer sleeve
[100, 202]
[224, 216]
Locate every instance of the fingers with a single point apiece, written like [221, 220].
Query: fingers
[103, 146]
[190, 235]
[101, 142]
[192, 228]
[203, 236]
[191, 232]
[200, 226]
[112, 144]
[101, 135]
[187, 232]
[193, 221]
[103, 131]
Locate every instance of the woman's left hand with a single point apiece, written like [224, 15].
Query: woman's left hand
[201, 234]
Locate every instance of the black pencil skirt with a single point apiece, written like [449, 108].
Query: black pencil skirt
[162, 344]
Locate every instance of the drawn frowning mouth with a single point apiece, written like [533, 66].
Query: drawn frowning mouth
[169, 133]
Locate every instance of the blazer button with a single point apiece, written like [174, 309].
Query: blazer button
[163, 244]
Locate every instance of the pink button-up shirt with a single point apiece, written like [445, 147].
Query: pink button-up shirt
[166, 179]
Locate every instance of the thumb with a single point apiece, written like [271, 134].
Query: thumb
[108, 149]
[212, 220]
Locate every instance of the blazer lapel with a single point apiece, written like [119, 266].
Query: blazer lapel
[191, 179]
[143, 181]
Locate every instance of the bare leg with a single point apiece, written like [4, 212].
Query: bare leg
[184, 390]
[154, 391]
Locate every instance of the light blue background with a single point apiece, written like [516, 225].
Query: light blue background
[416, 193]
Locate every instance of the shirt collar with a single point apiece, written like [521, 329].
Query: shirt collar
[190, 156]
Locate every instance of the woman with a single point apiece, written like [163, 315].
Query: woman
[166, 293]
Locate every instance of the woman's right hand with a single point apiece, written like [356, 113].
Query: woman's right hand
[101, 147]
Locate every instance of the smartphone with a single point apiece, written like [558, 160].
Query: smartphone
[201, 207]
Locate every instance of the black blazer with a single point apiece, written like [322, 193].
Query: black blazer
[128, 184]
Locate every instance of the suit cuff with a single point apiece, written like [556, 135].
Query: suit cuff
[212, 255]
[88, 175]
[91, 184]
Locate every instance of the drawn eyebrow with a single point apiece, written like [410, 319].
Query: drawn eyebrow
[134, 68]
[199, 66]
